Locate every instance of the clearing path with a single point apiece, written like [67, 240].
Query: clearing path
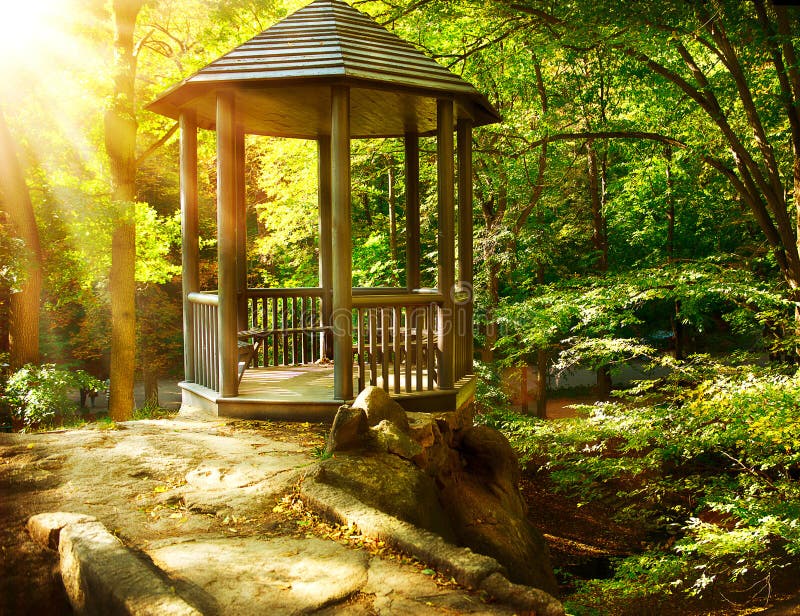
[209, 501]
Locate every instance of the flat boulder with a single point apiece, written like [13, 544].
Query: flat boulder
[250, 575]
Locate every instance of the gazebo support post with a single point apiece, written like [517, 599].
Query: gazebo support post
[241, 234]
[412, 212]
[342, 244]
[190, 245]
[465, 263]
[446, 239]
[325, 240]
[226, 242]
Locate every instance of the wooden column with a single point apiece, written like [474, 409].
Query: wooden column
[325, 239]
[412, 212]
[190, 235]
[241, 234]
[226, 242]
[464, 333]
[446, 238]
[341, 244]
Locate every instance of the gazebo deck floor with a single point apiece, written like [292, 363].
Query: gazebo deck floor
[305, 392]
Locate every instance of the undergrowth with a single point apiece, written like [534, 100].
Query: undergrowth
[707, 460]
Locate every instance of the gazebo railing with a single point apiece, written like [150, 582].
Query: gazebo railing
[395, 340]
[395, 334]
[286, 326]
[205, 308]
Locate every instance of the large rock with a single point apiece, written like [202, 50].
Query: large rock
[487, 511]
[377, 404]
[45, 528]
[388, 437]
[391, 484]
[102, 577]
[439, 472]
[255, 576]
[348, 429]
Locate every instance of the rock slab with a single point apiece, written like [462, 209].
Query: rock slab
[103, 578]
[249, 575]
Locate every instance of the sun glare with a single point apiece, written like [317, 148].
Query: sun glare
[25, 25]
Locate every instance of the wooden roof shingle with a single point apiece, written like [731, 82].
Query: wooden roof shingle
[282, 79]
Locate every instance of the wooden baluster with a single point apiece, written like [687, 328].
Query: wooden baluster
[263, 348]
[362, 383]
[316, 320]
[396, 343]
[206, 348]
[215, 336]
[205, 344]
[432, 346]
[274, 326]
[407, 348]
[384, 332]
[199, 332]
[208, 326]
[303, 327]
[373, 346]
[297, 324]
[252, 320]
[285, 337]
[214, 311]
[419, 325]
[314, 336]
[293, 326]
[306, 324]
[305, 340]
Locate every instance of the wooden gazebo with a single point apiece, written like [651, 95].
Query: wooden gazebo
[330, 73]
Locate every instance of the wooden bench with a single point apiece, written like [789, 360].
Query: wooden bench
[251, 340]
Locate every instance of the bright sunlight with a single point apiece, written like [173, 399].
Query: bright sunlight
[26, 25]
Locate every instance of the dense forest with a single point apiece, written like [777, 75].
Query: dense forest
[637, 207]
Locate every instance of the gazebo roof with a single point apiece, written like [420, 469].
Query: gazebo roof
[282, 79]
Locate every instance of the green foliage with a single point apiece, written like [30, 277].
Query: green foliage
[152, 411]
[37, 395]
[711, 470]
[593, 318]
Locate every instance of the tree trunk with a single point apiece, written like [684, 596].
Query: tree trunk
[150, 388]
[23, 317]
[120, 138]
[670, 206]
[392, 213]
[678, 333]
[541, 384]
[596, 198]
[603, 383]
[492, 283]
[367, 214]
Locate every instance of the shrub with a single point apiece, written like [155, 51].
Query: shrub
[709, 466]
[36, 395]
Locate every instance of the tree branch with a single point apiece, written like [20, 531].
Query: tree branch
[156, 144]
[609, 134]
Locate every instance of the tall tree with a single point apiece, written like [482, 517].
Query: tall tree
[25, 299]
[120, 139]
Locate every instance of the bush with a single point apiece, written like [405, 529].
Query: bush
[709, 466]
[36, 395]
